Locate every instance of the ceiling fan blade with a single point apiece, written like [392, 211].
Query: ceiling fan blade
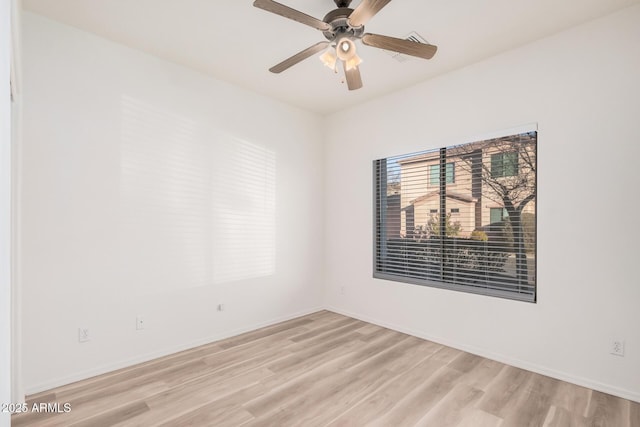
[421, 50]
[287, 12]
[354, 80]
[298, 57]
[365, 11]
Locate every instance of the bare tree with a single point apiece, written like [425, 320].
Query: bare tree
[504, 170]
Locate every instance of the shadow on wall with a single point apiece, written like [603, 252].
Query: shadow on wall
[197, 205]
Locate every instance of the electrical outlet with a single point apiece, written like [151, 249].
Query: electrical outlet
[220, 307]
[617, 347]
[83, 335]
[343, 290]
[139, 322]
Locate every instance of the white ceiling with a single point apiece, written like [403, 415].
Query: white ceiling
[233, 41]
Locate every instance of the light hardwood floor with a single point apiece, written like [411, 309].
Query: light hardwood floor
[328, 370]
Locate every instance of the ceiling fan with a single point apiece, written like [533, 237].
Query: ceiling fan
[342, 27]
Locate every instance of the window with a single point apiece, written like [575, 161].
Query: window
[498, 215]
[434, 174]
[420, 238]
[504, 164]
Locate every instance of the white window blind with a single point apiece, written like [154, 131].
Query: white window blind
[449, 235]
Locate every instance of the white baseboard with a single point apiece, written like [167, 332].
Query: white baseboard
[581, 381]
[58, 382]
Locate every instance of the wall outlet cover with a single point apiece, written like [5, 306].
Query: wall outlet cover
[83, 335]
[617, 347]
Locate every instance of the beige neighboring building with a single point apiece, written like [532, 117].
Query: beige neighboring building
[470, 200]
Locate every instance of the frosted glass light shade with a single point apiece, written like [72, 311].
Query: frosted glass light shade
[345, 49]
[329, 58]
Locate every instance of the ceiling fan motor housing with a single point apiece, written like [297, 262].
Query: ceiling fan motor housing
[339, 21]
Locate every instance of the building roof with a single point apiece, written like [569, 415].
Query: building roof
[449, 195]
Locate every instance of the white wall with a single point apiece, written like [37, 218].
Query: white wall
[151, 189]
[582, 87]
[5, 208]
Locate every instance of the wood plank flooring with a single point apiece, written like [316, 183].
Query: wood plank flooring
[325, 369]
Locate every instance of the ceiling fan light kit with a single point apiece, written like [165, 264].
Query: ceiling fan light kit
[342, 27]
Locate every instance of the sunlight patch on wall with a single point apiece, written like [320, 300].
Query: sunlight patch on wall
[244, 206]
[197, 206]
[165, 194]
